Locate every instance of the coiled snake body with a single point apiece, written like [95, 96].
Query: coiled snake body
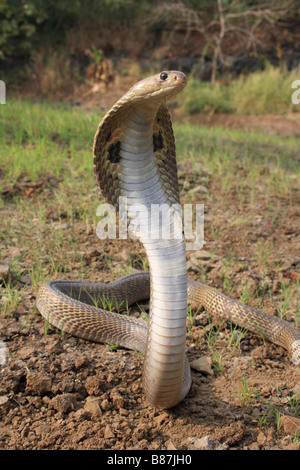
[134, 157]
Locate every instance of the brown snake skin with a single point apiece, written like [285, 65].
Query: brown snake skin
[134, 156]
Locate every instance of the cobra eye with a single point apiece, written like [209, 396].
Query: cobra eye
[163, 76]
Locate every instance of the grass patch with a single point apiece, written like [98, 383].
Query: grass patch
[261, 92]
[40, 139]
[202, 97]
[256, 155]
[43, 138]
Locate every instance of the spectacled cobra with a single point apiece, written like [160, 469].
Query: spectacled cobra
[134, 157]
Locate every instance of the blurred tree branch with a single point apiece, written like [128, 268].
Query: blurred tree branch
[242, 18]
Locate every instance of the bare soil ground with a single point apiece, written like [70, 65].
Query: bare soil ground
[60, 392]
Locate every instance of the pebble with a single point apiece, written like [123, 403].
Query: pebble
[117, 398]
[200, 189]
[261, 439]
[198, 259]
[38, 383]
[202, 254]
[61, 225]
[201, 320]
[106, 405]
[207, 443]
[93, 385]
[54, 347]
[290, 425]
[202, 364]
[3, 399]
[42, 429]
[4, 272]
[63, 403]
[170, 446]
[108, 433]
[92, 406]
[26, 352]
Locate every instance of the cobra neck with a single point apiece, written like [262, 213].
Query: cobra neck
[141, 183]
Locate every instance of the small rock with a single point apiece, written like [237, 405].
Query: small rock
[3, 399]
[201, 320]
[207, 443]
[108, 433]
[117, 398]
[296, 389]
[261, 438]
[290, 425]
[4, 272]
[61, 225]
[260, 353]
[256, 220]
[38, 383]
[14, 252]
[293, 446]
[202, 364]
[79, 436]
[198, 259]
[92, 385]
[106, 405]
[26, 352]
[170, 445]
[80, 362]
[81, 415]
[92, 254]
[25, 279]
[42, 430]
[63, 403]
[54, 347]
[200, 189]
[92, 406]
[202, 254]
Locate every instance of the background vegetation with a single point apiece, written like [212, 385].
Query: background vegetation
[241, 57]
[267, 91]
[49, 47]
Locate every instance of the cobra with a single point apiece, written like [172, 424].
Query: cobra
[134, 157]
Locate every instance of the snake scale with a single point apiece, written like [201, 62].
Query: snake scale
[134, 157]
